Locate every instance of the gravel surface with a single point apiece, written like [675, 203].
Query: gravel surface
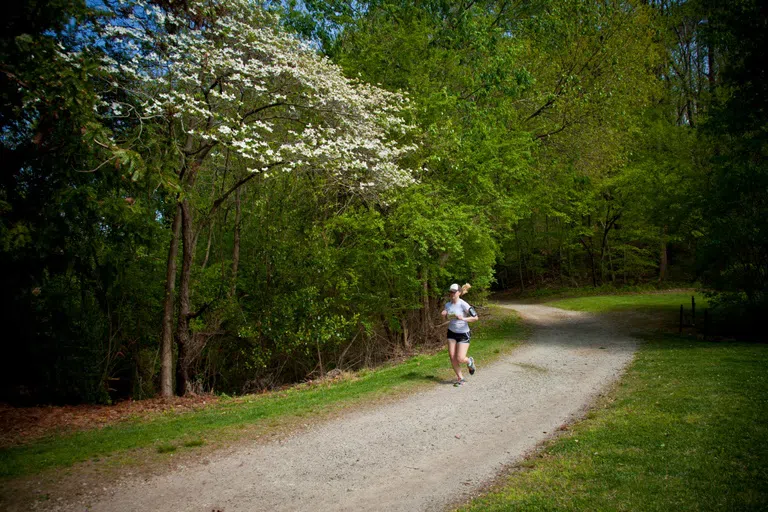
[424, 452]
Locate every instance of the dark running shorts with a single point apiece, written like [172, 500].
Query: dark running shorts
[460, 337]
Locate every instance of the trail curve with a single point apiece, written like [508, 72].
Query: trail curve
[423, 452]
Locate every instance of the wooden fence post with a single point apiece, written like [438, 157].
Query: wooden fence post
[693, 310]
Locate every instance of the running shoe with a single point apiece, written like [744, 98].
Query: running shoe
[459, 383]
[471, 365]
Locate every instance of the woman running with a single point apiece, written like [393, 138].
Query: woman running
[460, 314]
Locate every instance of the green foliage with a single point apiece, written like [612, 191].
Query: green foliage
[75, 243]
[557, 144]
[337, 279]
[734, 255]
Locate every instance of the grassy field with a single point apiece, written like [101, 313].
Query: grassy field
[549, 294]
[253, 415]
[655, 301]
[685, 429]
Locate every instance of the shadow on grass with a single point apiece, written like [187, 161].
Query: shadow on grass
[429, 377]
[419, 376]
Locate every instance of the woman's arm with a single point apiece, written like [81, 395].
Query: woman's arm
[468, 315]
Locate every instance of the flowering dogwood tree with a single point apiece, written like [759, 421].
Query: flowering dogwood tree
[219, 83]
[227, 77]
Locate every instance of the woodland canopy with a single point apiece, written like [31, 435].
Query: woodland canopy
[229, 196]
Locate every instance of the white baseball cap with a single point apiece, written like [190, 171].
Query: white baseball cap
[454, 288]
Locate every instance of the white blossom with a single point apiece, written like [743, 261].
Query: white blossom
[245, 85]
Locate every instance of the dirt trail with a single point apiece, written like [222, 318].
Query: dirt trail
[420, 453]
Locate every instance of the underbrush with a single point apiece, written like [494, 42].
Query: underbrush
[230, 419]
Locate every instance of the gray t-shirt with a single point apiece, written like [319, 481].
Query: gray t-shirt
[460, 308]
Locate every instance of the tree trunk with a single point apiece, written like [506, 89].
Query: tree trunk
[520, 260]
[236, 247]
[208, 246]
[182, 328]
[426, 318]
[624, 264]
[610, 266]
[603, 249]
[604, 243]
[166, 340]
[610, 222]
[591, 254]
[406, 334]
[663, 256]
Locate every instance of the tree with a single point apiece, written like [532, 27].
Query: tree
[223, 93]
[593, 76]
[71, 237]
[734, 255]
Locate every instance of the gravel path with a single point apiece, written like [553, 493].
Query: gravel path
[421, 453]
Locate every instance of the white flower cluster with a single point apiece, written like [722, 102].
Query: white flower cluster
[242, 84]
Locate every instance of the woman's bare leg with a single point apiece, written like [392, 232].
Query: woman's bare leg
[452, 348]
[460, 354]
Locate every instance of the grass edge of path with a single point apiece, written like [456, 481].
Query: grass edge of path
[252, 417]
[683, 428]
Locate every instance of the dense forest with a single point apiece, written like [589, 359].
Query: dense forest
[227, 196]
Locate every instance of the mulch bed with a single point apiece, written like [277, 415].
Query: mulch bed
[19, 425]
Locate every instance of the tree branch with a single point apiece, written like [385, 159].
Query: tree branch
[200, 311]
[545, 135]
[259, 109]
[234, 187]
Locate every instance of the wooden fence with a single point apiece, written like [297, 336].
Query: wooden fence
[688, 319]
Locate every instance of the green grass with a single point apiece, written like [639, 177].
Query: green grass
[553, 292]
[685, 429]
[602, 303]
[230, 419]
